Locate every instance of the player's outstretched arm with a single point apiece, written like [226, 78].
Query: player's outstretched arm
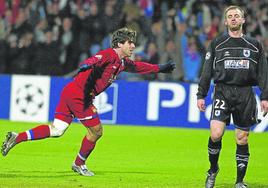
[167, 67]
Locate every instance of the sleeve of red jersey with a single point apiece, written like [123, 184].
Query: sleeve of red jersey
[89, 61]
[141, 67]
[98, 60]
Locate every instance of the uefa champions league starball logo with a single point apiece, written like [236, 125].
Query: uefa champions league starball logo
[29, 99]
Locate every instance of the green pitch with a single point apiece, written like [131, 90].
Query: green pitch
[128, 156]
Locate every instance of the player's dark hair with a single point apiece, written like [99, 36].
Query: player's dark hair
[122, 35]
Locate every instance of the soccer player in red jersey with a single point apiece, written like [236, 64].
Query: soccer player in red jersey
[94, 76]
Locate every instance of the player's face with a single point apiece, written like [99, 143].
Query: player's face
[127, 48]
[234, 20]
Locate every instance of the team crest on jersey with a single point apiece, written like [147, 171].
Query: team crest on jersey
[246, 53]
[98, 56]
[208, 55]
[217, 113]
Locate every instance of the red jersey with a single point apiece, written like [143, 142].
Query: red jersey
[109, 66]
[76, 98]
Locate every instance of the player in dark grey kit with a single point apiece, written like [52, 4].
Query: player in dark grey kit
[236, 63]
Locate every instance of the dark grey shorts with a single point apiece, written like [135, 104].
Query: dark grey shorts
[240, 102]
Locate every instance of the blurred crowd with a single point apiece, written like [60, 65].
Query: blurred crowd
[51, 37]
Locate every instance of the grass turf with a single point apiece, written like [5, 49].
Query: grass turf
[128, 156]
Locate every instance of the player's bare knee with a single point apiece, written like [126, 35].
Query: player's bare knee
[58, 128]
[216, 130]
[242, 138]
[98, 132]
[216, 136]
[93, 137]
[94, 133]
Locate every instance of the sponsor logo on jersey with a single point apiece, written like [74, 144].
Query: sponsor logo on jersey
[208, 55]
[236, 64]
[246, 53]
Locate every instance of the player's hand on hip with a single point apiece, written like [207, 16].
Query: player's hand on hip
[264, 107]
[201, 105]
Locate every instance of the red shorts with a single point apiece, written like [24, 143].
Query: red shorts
[71, 105]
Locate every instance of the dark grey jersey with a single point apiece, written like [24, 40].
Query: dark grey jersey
[234, 61]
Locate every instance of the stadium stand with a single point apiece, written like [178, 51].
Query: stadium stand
[50, 37]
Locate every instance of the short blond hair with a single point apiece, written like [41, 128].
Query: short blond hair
[234, 7]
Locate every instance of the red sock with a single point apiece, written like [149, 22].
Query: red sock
[39, 132]
[85, 150]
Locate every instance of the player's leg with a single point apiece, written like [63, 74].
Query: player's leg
[88, 144]
[220, 116]
[214, 143]
[214, 147]
[63, 117]
[56, 129]
[244, 116]
[94, 131]
[242, 155]
[12, 138]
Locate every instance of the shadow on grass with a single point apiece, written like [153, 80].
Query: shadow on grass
[36, 174]
[253, 185]
[124, 172]
[59, 174]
